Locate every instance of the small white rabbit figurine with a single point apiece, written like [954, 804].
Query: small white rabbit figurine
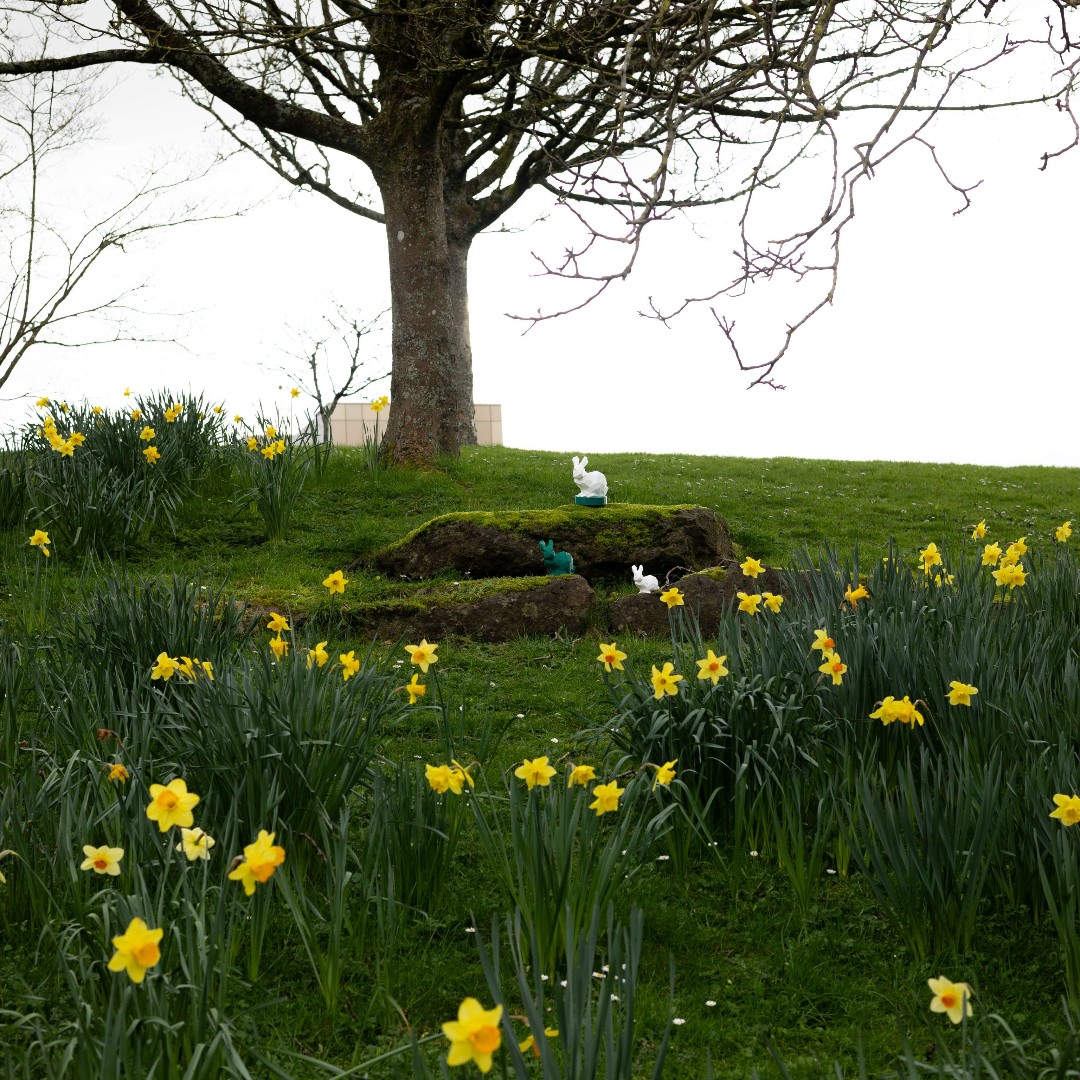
[591, 485]
[645, 583]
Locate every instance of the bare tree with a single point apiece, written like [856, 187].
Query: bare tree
[456, 108]
[51, 264]
[335, 363]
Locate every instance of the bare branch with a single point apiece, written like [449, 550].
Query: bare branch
[324, 359]
[52, 263]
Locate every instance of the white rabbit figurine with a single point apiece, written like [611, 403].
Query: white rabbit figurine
[591, 485]
[645, 583]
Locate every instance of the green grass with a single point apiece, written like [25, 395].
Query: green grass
[810, 988]
[774, 508]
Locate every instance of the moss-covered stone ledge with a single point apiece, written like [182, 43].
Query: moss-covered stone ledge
[709, 595]
[603, 540]
[496, 609]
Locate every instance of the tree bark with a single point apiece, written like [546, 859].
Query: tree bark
[431, 392]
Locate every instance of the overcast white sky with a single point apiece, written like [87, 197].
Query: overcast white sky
[951, 339]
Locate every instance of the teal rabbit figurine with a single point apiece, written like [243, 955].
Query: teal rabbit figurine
[557, 562]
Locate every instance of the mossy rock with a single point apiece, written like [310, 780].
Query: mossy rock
[707, 597]
[495, 609]
[604, 541]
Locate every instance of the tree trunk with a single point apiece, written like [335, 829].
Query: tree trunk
[432, 409]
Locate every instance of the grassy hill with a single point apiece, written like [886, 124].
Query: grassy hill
[759, 966]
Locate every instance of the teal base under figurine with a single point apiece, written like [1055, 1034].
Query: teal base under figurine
[591, 500]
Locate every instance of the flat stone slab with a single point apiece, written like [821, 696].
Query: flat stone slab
[505, 610]
[603, 541]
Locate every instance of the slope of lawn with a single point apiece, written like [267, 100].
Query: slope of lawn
[793, 948]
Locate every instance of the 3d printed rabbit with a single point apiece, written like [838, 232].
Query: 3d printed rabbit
[592, 485]
[557, 562]
[645, 583]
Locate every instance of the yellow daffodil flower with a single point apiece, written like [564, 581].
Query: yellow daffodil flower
[195, 844]
[751, 568]
[535, 773]
[438, 778]
[673, 598]
[823, 642]
[953, 999]
[350, 666]
[773, 601]
[665, 773]
[277, 623]
[218, 410]
[906, 713]
[42, 403]
[611, 656]
[979, 531]
[118, 772]
[529, 1042]
[444, 778]
[271, 431]
[581, 775]
[252, 443]
[415, 689]
[318, 656]
[41, 541]
[885, 712]
[259, 862]
[1068, 809]
[1063, 532]
[452, 778]
[279, 647]
[459, 775]
[1010, 575]
[127, 391]
[474, 1036]
[853, 595]
[991, 554]
[102, 860]
[834, 667]
[136, 414]
[666, 681]
[171, 804]
[422, 655]
[960, 693]
[152, 455]
[928, 557]
[147, 433]
[606, 798]
[749, 602]
[165, 667]
[137, 950]
[336, 582]
[192, 667]
[294, 392]
[712, 667]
